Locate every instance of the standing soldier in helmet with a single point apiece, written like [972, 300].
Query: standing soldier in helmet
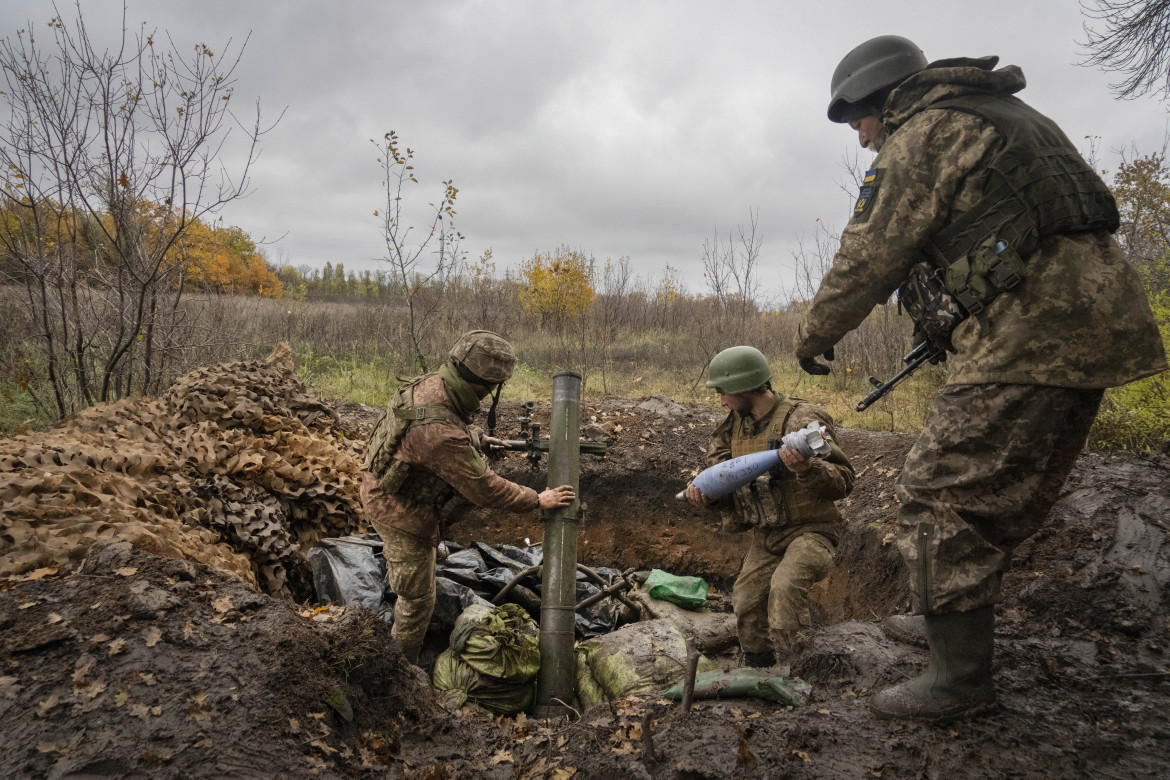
[425, 465]
[795, 525]
[996, 235]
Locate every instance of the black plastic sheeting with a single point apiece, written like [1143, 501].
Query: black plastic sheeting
[351, 570]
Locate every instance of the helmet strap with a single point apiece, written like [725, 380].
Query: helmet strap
[491, 419]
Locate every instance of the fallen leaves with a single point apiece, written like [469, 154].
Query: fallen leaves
[501, 757]
[36, 574]
[152, 635]
[323, 747]
[326, 614]
[93, 690]
[126, 571]
[46, 706]
[223, 605]
[116, 647]
[195, 710]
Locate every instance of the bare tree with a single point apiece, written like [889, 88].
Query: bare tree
[107, 157]
[420, 283]
[1134, 41]
[731, 271]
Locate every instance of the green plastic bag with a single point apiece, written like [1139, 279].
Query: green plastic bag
[686, 592]
[745, 683]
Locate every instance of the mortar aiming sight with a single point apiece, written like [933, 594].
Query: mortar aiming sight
[532, 445]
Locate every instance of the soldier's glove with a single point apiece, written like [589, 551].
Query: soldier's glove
[811, 366]
[920, 337]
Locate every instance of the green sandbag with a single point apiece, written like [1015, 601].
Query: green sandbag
[636, 660]
[502, 642]
[686, 592]
[459, 683]
[745, 683]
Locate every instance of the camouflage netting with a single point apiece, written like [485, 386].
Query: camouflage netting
[238, 467]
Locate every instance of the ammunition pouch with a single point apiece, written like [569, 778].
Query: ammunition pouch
[934, 310]
[758, 506]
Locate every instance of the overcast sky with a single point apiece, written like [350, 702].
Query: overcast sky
[621, 129]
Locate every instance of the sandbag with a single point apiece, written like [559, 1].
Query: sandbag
[459, 684]
[745, 683]
[710, 631]
[638, 659]
[500, 642]
[687, 592]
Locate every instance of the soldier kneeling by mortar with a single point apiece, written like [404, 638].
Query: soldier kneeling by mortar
[795, 525]
[425, 467]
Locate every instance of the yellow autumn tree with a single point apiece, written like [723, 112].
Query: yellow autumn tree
[557, 286]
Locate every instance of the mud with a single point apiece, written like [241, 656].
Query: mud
[130, 664]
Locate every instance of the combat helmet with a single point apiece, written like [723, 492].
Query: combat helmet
[738, 369]
[879, 63]
[486, 355]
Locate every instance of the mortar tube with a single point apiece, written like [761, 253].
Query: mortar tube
[557, 684]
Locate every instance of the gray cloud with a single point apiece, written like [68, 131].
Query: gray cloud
[617, 128]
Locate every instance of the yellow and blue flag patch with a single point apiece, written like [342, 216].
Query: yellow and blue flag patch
[869, 185]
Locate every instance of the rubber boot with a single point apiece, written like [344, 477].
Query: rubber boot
[909, 629]
[957, 681]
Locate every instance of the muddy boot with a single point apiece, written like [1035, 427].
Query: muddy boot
[909, 629]
[957, 681]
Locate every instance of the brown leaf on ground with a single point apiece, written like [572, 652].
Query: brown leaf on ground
[44, 707]
[152, 635]
[324, 748]
[93, 691]
[37, 574]
[744, 756]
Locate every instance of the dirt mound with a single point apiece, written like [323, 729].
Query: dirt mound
[237, 467]
[136, 665]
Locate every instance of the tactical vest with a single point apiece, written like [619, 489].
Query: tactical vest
[386, 436]
[1037, 186]
[774, 504]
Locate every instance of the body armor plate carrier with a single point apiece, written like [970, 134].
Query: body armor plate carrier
[1037, 186]
[386, 436]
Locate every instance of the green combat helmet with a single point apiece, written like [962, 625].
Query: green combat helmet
[879, 63]
[738, 369]
[485, 354]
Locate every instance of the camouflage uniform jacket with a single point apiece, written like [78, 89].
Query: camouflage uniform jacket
[783, 506]
[1080, 319]
[447, 452]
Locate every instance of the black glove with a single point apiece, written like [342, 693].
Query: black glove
[811, 366]
[920, 336]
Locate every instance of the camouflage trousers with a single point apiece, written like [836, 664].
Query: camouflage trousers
[981, 478]
[410, 570]
[770, 595]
